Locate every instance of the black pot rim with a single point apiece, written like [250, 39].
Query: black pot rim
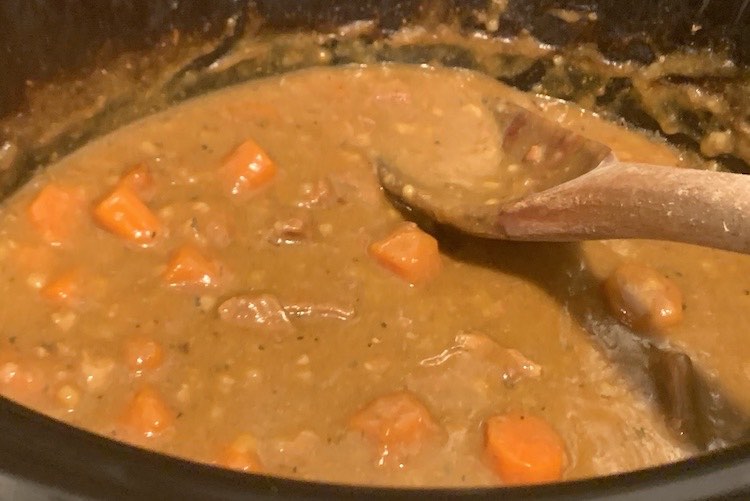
[43, 456]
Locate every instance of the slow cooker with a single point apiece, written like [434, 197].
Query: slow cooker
[53, 98]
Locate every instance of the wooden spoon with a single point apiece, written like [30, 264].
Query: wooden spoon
[552, 184]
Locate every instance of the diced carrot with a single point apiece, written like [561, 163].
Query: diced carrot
[147, 414]
[642, 298]
[125, 215]
[66, 289]
[56, 212]
[143, 353]
[409, 252]
[523, 449]
[246, 168]
[396, 423]
[241, 454]
[140, 180]
[189, 268]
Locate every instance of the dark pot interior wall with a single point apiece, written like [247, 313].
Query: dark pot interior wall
[41, 38]
[66, 41]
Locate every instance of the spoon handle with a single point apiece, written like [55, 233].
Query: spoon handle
[629, 200]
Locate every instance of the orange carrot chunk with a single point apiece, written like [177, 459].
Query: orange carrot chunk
[147, 414]
[143, 353]
[140, 180]
[523, 449]
[246, 168]
[398, 422]
[642, 298]
[125, 215]
[241, 455]
[409, 252]
[188, 267]
[66, 289]
[56, 213]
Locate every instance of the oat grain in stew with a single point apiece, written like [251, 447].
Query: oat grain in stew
[226, 282]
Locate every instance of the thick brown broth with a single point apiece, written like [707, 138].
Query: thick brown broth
[351, 330]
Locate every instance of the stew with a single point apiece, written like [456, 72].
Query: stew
[226, 282]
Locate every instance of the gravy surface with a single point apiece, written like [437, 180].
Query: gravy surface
[330, 328]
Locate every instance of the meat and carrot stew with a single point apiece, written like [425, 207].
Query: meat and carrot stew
[226, 282]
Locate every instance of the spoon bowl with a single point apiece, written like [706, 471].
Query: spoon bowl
[549, 183]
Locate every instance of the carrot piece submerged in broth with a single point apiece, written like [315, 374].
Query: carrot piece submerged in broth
[189, 268]
[247, 168]
[396, 423]
[523, 449]
[147, 414]
[241, 454]
[142, 353]
[410, 253]
[56, 212]
[65, 289]
[125, 215]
